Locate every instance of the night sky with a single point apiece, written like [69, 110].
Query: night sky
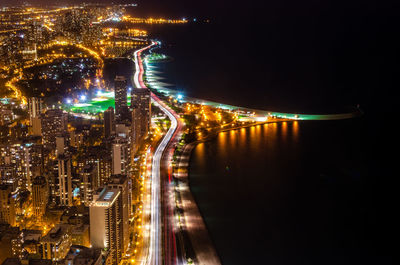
[343, 50]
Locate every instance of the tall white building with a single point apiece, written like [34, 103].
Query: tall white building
[106, 230]
[120, 155]
[64, 180]
[35, 106]
[122, 183]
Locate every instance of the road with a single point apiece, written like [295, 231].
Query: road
[156, 254]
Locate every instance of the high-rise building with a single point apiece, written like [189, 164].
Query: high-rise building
[89, 183]
[120, 155]
[64, 180]
[53, 122]
[26, 158]
[7, 205]
[100, 158]
[121, 182]
[34, 162]
[141, 115]
[121, 105]
[109, 122]
[35, 106]
[106, 230]
[40, 196]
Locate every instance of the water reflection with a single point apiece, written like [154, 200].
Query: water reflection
[284, 131]
[295, 131]
[199, 153]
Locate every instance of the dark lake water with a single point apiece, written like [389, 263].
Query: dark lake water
[312, 192]
[291, 193]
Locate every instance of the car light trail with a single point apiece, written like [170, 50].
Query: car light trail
[155, 249]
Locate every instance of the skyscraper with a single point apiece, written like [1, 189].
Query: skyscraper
[120, 155]
[109, 122]
[39, 196]
[141, 115]
[121, 105]
[64, 180]
[106, 230]
[35, 106]
[53, 122]
[89, 182]
[121, 182]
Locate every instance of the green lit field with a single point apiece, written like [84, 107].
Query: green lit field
[103, 101]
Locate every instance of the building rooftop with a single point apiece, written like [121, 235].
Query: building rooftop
[106, 197]
[56, 234]
[117, 179]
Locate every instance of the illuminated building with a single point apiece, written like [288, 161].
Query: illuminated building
[121, 105]
[121, 182]
[27, 160]
[100, 158]
[8, 176]
[35, 106]
[40, 196]
[6, 115]
[106, 213]
[109, 122]
[76, 138]
[89, 183]
[64, 180]
[55, 245]
[7, 205]
[53, 122]
[120, 155]
[141, 115]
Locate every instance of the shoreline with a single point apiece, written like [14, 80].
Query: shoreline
[201, 242]
[194, 226]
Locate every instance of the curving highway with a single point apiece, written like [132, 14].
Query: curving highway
[155, 250]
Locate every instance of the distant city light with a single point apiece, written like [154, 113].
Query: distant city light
[179, 96]
[69, 101]
[82, 97]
